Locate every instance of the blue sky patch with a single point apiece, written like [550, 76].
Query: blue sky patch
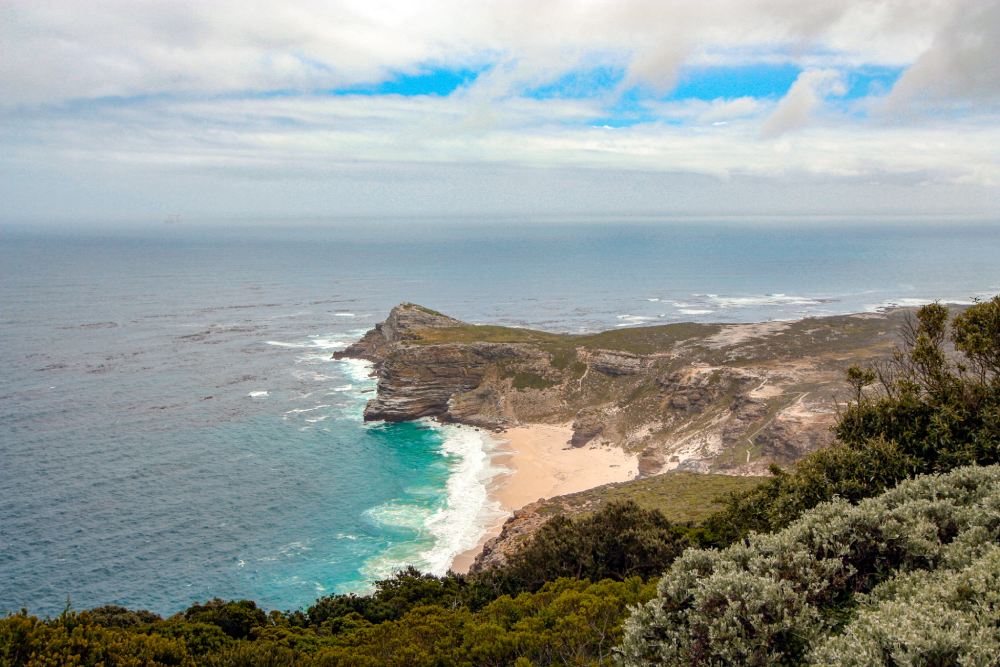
[438, 81]
[874, 81]
[712, 83]
[580, 84]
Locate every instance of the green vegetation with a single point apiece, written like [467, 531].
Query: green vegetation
[566, 622]
[811, 566]
[525, 380]
[945, 617]
[620, 540]
[769, 600]
[638, 340]
[681, 497]
[423, 309]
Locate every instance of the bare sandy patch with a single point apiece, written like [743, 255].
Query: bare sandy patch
[541, 464]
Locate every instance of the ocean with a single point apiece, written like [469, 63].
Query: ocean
[173, 428]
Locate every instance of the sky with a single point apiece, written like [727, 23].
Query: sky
[136, 110]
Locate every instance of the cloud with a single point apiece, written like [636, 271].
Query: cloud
[303, 134]
[56, 50]
[139, 103]
[960, 65]
[802, 99]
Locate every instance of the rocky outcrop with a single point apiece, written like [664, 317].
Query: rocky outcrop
[731, 398]
[615, 363]
[586, 427]
[693, 389]
[442, 381]
[404, 323]
[516, 530]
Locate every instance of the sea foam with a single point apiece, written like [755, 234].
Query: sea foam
[468, 510]
[455, 522]
[758, 300]
[358, 370]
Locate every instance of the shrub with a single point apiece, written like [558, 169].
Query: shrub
[948, 617]
[618, 541]
[766, 600]
[70, 640]
[236, 618]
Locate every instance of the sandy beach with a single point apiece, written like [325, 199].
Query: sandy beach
[543, 465]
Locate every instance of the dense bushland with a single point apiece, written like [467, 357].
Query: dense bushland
[768, 600]
[946, 617]
[620, 540]
[898, 579]
[567, 621]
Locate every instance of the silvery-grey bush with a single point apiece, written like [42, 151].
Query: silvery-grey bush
[777, 597]
[923, 619]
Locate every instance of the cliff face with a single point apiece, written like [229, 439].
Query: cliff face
[699, 397]
[405, 323]
[442, 381]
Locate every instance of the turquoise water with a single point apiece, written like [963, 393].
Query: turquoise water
[172, 426]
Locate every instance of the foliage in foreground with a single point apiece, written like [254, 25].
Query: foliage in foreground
[770, 600]
[567, 622]
[947, 617]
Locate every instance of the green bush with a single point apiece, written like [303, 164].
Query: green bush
[71, 640]
[236, 618]
[526, 380]
[618, 541]
[942, 410]
[115, 616]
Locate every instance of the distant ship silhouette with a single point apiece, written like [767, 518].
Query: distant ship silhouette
[172, 219]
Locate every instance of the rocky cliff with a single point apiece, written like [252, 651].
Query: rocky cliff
[699, 397]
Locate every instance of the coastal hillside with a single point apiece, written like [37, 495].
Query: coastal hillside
[881, 550]
[723, 398]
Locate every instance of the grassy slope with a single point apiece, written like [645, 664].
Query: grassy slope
[809, 338]
[640, 340]
[681, 496]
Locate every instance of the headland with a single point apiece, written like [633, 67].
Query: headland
[578, 411]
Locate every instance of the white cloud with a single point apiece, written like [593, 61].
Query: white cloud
[708, 111]
[305, 133]
[55, 50]
[801, 100]
[190, 121]
[960, 65]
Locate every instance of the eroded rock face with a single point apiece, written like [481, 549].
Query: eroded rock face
[615, 362]
[516, 530]
[484, 406]
[586, 427]
[692, 390]
[430, 380]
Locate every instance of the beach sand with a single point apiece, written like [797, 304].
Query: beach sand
[543, 465]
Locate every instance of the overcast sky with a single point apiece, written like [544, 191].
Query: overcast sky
[135, 110]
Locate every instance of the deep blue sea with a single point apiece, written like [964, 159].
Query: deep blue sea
[172, 427]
